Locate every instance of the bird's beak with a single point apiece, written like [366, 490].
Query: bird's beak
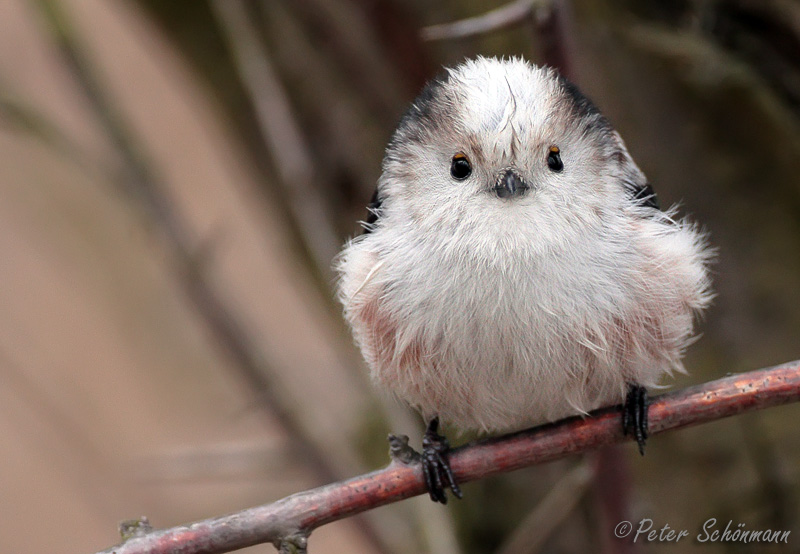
[510, 184]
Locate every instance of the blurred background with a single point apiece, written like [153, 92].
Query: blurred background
[175, 178]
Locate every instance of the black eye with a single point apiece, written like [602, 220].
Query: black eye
[460, 167]
[554, 159]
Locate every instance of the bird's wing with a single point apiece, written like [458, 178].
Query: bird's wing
[643, 194]
[373, 211]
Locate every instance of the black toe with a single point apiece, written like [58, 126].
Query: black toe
[634, 415]
[436, 465]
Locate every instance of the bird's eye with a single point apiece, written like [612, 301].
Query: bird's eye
[460, 167]
[554, 159]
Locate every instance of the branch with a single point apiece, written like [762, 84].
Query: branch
[288, 522]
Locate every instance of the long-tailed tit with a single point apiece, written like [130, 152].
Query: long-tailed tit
[515, 266]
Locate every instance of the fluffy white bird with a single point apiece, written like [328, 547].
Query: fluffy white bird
[515, 266]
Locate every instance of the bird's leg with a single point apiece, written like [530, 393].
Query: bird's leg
[435, 464]
[634, 414]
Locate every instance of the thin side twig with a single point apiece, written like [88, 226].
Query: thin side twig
[503, 17]
[289, 521]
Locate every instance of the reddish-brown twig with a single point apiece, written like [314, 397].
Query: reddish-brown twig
[288, 522]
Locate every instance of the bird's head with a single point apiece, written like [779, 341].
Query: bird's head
[496, 146]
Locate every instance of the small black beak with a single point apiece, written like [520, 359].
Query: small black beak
[510, 185]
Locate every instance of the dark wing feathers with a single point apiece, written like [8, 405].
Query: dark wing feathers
[373, 211]
[644, 195]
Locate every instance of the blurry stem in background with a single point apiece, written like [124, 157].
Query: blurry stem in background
[552, 25]
[538, 526]
[58, 434]
[611, 498]
[137, 181]
[229, 332]
[288, 523]
[359, 52]
[514, 13]
[18, 116]
[775, 486]
[550, 20]
[281, 133]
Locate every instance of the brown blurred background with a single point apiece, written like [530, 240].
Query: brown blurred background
[175, 178]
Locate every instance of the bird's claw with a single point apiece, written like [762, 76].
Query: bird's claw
[634, 415]
[436, 465]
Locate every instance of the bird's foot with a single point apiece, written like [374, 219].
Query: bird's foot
[634, 415]
[435, 464]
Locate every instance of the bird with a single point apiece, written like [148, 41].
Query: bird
[515, 266]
